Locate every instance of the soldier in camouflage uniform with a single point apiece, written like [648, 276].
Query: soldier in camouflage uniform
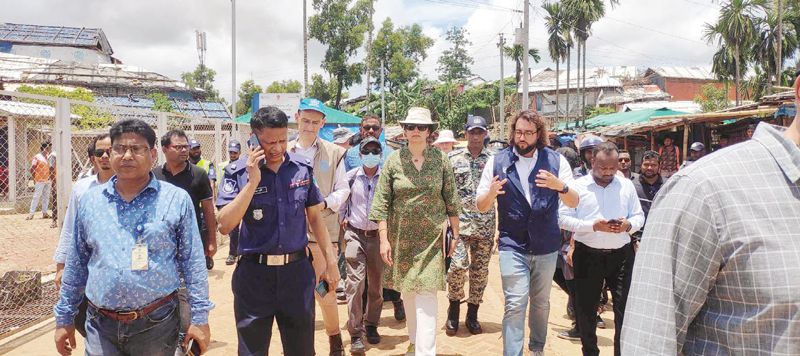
[477, 230]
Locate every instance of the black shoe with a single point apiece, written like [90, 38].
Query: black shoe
[341, 295]
[209, 263]
[230, 260]
[600, 323]
[357, 345]
[472, 323]
[399, 310]
[336, 345]
[451, 325]
[372, 335]
[571, 334]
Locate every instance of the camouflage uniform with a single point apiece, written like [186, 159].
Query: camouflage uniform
[477, 229]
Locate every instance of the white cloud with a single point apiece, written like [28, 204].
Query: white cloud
[159, 35]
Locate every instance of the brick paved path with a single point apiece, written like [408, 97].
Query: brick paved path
[394, 337]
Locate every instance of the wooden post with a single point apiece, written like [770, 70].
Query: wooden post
[625, 142]
[652, 141]
[685, 139]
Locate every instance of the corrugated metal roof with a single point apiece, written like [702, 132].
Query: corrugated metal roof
[190, 107]
[18, 108]
[601, 77]
[55, 35]
[695, 72]
[686, 106]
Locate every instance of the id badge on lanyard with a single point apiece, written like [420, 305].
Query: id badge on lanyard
[139, 258]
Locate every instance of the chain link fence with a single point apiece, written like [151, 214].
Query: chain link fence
[44, 149]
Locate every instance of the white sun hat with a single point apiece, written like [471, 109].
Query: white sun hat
[445, 136]
[419, 116]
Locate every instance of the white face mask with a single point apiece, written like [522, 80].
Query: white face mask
[370, 160]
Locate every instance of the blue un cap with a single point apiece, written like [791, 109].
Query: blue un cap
[193, 143]
[234, 146]
[312, 104]
[476, 122]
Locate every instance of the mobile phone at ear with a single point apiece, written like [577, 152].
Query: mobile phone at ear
[192, 348]
[322, 288]
[254, 143]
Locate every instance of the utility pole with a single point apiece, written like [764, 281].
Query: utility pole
[383, 108]
[201, 54]
[369, 49]
[305, 50]
[502, 115]
[780, 43]
[525, 48]
[233, 58]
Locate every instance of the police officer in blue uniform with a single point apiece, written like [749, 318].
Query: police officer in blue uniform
[272, 193]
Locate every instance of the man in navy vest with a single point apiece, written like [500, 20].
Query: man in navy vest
[529, 236]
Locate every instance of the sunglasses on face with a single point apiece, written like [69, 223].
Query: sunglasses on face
[99, 153]
[624, 159]
[374, 151]
[412, 127]
[375, 128]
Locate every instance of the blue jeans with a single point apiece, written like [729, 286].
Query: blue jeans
[153, 334]
[526, 277]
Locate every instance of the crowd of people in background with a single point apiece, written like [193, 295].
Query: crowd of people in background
[690, 256]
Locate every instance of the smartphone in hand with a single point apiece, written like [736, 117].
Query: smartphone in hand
[322, 288]
[254, 143]
[192, 348]
[615, 221]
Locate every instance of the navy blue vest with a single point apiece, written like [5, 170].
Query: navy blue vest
[531, 229]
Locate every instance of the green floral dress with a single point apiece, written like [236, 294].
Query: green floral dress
[415, 204]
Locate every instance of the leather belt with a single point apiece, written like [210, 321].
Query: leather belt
[131, 315]
[276, 260]
[367, 233]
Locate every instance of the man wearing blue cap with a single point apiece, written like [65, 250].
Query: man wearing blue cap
[234, 149]
[329, 175]
[195, 156]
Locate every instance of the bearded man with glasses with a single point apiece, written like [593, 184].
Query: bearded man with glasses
[529, 236]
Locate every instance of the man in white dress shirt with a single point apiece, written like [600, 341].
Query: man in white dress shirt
[601, 251]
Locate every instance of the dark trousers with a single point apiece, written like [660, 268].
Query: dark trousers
[262, 294]
[391, 295]
[592, 268]
[234, 244]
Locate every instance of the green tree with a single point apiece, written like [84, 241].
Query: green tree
[284, 86]
[340, 27]
[736, 28]
[766, 46]
[455, 61]
[712, 98]
[202, 77]
[515, 53]
[89, 117]
[160, 102]
[322, 89]
[556, 41]
[402, 50]
[246, 91]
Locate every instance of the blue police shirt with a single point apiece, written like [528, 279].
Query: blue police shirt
[275, 221]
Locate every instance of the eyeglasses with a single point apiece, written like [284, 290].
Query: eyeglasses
[374, 151]
[526, 134]
[412, 127]
[375, 128]
[135, 150]
[99, 153]
[179, 147]
[624, 159]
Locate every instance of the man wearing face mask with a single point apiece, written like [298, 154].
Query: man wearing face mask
[362, 254]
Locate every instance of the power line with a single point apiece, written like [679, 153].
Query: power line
[656, 31]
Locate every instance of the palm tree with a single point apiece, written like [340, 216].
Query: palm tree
[515, 53]
[724, 67]
[736, 28]
[556, 44]
[766, 46]
[585, 13]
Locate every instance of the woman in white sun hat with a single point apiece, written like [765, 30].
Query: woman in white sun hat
[445, 142]
[416, 192]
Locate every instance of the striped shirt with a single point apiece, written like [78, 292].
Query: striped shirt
[717, 270]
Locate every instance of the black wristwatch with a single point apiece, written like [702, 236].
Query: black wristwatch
[566, 189]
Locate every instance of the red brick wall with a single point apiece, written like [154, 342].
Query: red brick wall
[686, 89]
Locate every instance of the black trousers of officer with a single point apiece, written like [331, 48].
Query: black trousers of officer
[593, 267]
[264, 293]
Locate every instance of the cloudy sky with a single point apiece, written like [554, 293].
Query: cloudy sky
[159, 35]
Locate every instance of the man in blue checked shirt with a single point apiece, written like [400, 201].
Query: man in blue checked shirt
[134, 238]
